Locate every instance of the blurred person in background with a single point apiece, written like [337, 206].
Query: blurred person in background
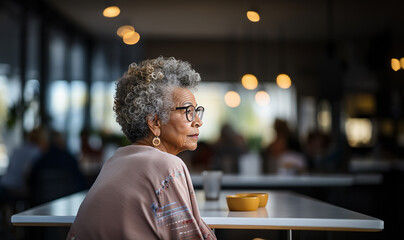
[228, 149]
[89, 152]
[144, 190]
[326, 155]
[91, 155]
[14, 183]
[316, 148]
[201, 158]
[283, 156]
[56, 173]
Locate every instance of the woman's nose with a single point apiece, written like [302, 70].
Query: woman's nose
[197, 121]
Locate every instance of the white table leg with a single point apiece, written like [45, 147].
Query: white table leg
[289, 234]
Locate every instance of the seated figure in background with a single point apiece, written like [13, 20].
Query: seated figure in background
[91, 155]
[88, 152]
[56, 173]
[201, 158]
[228, 149]
[14, 182]
[283, 155]
[323, 154]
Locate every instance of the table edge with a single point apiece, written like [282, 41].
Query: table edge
[216, 226]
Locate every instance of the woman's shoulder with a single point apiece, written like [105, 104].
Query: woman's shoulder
[150, 155]
[167, 159]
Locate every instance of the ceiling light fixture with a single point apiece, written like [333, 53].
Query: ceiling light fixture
[122, 30]
[131, 38]
[283, 81]
[395, 64]
[249, 81]
[253, 16]
[111, 11]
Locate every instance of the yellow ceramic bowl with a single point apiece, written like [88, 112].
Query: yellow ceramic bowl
[262, 196]
[242, 203]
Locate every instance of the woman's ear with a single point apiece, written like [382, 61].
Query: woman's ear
[154, 125]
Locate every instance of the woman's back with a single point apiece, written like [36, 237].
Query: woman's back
[141, 193]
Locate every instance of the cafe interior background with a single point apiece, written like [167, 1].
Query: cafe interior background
[331, 71]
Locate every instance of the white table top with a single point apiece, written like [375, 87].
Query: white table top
[312, 180]
[285, 210]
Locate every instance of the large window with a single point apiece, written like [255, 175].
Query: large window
[105, 71]
[78, 95]
[32, 88]
[102, 114]
[10, 84]
[67, 92]
[58, 90]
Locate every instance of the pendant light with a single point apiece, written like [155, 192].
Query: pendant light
[111, 11]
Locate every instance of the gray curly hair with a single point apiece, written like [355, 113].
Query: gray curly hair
[145, 91]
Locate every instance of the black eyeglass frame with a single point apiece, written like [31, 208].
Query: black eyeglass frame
[198, 109]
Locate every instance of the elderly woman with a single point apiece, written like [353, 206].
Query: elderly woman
[144, 191]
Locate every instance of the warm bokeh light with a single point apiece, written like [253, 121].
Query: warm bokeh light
[402, 62]
[253, 16]
[324, 116]
[283, 81]
[232, 99]
[122, 30]
[324, 119]
[249, 81]
[131, 38]
[358, 132]
[395, 64]
[111, 11]
[262, 98]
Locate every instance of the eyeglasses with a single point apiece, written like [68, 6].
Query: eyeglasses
[190, 112]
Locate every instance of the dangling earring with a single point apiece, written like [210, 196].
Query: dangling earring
[156, 141]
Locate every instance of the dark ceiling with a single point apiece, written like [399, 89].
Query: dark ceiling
[225, 19]
[293, 36]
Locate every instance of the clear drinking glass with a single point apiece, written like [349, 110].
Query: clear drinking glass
[212, 184]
